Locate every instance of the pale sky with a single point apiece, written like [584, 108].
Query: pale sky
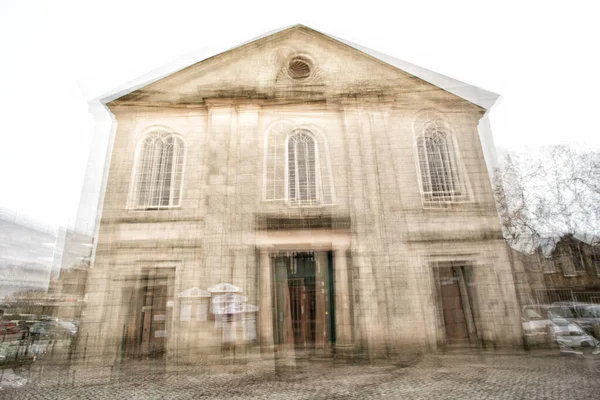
[542, 57]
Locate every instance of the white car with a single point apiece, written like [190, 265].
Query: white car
[567, 335]
[585, 315]
[69, 328]
[574, 336]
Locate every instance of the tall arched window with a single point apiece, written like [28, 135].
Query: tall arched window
[302, 174]
[158, 171]
[297, 167]
[438, 161]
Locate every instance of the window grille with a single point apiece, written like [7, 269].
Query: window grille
[549, 267]
[302, 169]
[159, 171]
[576, 257]
[438, 162]
[566, 263]
[297, 168]
[546, 263]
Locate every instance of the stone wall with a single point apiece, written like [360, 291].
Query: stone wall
[364, 119]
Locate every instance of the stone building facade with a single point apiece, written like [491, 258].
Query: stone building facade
[563, 268]
[297, 193]
[574, 264]
[66, 294]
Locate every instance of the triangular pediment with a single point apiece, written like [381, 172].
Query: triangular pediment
[261, 70]
[225, 288]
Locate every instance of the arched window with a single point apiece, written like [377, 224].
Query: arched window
[302, 169]
[297, 167]
[158, 171]
[438, 161]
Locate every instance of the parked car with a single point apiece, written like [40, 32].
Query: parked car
[53, 329]
[41, 330]
[9, 331]
[585, 315]
[573, 336]
[537, 324]
[67, 328]
[539, 321]
[548, 312]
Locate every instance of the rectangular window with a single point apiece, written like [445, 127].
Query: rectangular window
[548, 265]
[596, 263]
[577, 259]
[566, 265]
[536, 263]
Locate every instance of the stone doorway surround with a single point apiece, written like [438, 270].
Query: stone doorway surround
[146, 315]
[270, 243]
[457, 325]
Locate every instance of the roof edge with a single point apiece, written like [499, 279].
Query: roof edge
[473, 94]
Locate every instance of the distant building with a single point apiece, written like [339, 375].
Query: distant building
[66, 294]
[26, 253]
[298, 192]
[564, 268]
[43, 269]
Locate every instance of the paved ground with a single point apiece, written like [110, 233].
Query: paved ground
[449, 376]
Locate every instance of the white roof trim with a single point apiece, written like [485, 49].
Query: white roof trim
[194, 292]
[473, 94]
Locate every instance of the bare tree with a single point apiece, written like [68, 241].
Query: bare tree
[550, 194]
[25, 301]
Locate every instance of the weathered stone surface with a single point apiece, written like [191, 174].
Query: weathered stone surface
[384, 237]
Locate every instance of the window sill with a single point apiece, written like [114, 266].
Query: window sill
[293, 205]
[164, 208]
[320, 205]
[444, 205]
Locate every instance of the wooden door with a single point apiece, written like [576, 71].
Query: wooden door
[455, 322]
[298, 310]
[154, 317]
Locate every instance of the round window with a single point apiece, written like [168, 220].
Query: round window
[299, 68]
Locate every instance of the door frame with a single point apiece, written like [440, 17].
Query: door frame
[133, 318]
[328, 313]
[464, 275]
[269, 242]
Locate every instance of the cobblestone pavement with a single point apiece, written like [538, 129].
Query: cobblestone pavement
[449, 376]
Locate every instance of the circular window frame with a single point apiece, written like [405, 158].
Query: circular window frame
[299, 76]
